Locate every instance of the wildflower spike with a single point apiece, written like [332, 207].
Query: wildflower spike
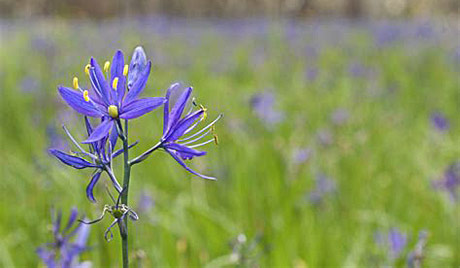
[87, 67]
[106, 66]
[115, 83]
[125, 70]
[113, 111]
[75, 82]
[85, 95]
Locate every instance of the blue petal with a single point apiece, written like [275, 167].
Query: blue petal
[75, 100]
[178, 130]
[98, 81]
[184, 152]
[100, 132]
[138, 85]
[179, 160]
[118, 64]
[72, 218]
[178, 108]
[73, 161]
[92, 183]
[137, 66]
[113, 136]
[166, 108]
[140, 107]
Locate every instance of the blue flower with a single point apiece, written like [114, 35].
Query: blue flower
[440, 122]
[100, 153]
[175, 126]
[62, 252]
[397, 242]
[450, 181]
[107, 98]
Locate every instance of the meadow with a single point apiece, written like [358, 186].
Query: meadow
[335, 135]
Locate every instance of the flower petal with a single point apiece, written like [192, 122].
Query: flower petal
[179, 160]
[70, 160]
[76, 100]
[113, 136]
[100, 132]
[98, 81]
[179, 129]
[140, 107]
[72, 218]
[92, 183]
[184, 152]
[166, 108]
[138, 85]
[118, 63]
[178, 108]
[137, 65]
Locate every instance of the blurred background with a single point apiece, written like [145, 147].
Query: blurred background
[339, 146]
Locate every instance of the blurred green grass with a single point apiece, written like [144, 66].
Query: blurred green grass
[382, 159]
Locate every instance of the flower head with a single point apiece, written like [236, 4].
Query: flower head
[450, 181]
[175, 126]
[62, 252]
[107, 97]
[440, 122]
[263, 105]
[99, 157]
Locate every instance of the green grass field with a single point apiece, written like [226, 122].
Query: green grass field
[382, 158]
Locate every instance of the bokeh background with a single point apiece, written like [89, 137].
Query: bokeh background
[339, 146]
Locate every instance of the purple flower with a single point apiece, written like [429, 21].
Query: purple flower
[175, 126]
[107, 98]
[324, 137]
[100, 154]
[323, 186]
[263, 106]
[439, 122]
[62, 252]
[301, 155]
[145, 202]
[311, 73]
[450, 180]
[397, 242]
[340, 116]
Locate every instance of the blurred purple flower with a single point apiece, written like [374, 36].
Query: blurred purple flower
[29, 84]
[311, 73]
[301, 155]
[440, 122]
[323, 186]
[145, 202]
[397, 242]
[415, 257]
[386, 34]
[450, 180]
[263, 105]
[62, 252]
[340, 116]
[356, 69]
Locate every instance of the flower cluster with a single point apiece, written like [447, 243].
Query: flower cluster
[113, 95]
[68, 243]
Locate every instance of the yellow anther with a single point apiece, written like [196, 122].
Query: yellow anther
[115, 83]
[125, 70]
[204, 109]
[85, 95]
[216, 139]
[75, 83]
[113, 111]
[87, 67]
[106, 66]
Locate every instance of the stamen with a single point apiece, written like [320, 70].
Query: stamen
[113, 111]
[204, 111]
[203, 129]
[201, 144]
[216, 139]
[115, 83]
[125, 70]
[85, 95]
[87, 67]
[75, 82]
[196, 139]
[106, 66]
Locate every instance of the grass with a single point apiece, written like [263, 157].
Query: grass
[382, 159]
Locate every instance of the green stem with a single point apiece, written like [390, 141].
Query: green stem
[124, 197]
